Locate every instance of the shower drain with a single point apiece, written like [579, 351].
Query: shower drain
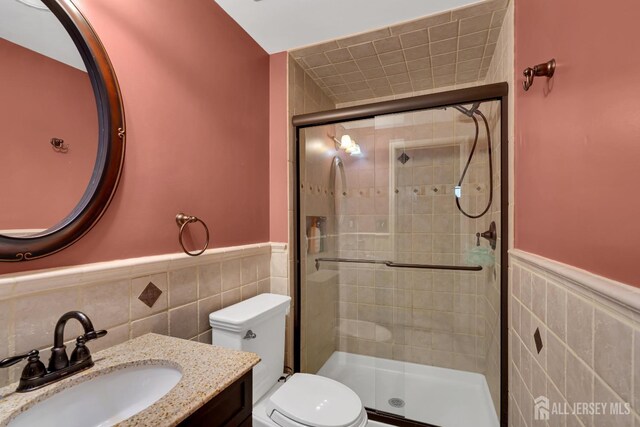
[396, 402]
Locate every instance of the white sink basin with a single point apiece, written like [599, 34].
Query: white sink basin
[102, 401]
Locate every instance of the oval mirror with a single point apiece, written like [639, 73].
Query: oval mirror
[62, 128]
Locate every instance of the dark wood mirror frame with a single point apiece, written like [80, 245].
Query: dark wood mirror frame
[111, 146]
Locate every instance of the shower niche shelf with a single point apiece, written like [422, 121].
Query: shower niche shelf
[316, 234]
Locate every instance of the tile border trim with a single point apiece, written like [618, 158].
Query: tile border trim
[619, 296]
[19, 284]
[279, 247]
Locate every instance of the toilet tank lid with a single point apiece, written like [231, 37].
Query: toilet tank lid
[240, 316]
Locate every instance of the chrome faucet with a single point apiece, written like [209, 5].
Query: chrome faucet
[35, 375]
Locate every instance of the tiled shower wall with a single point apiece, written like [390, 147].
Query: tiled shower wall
[500, 70]
[108, 293]
[492, 290]
[487, 286]
[319, 289]
[435, 318]
[590, 345]
[304, 97]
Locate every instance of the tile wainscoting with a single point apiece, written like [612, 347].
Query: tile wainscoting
[591, 356]
[192, 287]
[589, 328]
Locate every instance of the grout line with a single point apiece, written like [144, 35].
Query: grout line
[568, 349]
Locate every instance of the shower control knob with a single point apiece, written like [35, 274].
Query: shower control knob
[491, 234]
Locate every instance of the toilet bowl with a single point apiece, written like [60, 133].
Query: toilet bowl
[303, 400]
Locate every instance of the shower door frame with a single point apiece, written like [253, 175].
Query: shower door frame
[484, 93]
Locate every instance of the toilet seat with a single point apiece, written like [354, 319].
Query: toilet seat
[307, 400]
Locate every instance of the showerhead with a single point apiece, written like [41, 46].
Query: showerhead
[468, 112]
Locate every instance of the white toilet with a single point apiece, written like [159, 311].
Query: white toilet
[257, 325]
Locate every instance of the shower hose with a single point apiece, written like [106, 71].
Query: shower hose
[471, 113]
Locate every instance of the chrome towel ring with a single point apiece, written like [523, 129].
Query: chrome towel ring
[183, 220]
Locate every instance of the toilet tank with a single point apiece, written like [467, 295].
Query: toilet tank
[256, 325]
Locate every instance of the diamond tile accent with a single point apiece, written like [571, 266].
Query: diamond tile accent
[150, 294]
[404, 158]
[454, 47]
[538, 339]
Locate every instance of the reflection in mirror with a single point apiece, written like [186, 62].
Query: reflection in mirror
[49, 120]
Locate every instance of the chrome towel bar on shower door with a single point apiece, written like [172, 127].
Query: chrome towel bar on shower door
[399, 264]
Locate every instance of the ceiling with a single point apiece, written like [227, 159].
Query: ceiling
[282, 25]
[444, 49]
[38, 30]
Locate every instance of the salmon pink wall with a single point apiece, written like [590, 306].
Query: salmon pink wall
[278, 146]
[43, 98]
[577, 137]
[196, 96]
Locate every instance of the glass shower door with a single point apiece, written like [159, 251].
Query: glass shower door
[399, 297]
[336, 212]
[390, 302]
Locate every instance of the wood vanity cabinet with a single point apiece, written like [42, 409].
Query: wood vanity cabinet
[232, 407]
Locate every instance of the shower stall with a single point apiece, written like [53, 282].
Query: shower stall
[401, 255]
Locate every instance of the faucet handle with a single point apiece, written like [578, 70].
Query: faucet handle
[10, 361]
[93, 335]
[81, 352]
[34, 367]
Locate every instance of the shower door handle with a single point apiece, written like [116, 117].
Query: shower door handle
[393, 264]
[434, 266]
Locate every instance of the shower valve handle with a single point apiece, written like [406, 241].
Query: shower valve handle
[491, 235]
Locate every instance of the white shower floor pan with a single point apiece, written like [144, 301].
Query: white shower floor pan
[437, 396]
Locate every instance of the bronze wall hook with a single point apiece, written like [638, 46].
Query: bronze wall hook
[546, 69]
[59, 145]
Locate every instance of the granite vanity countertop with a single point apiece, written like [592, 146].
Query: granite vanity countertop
[206, 371]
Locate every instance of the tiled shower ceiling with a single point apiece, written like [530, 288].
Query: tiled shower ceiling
[440, 50]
